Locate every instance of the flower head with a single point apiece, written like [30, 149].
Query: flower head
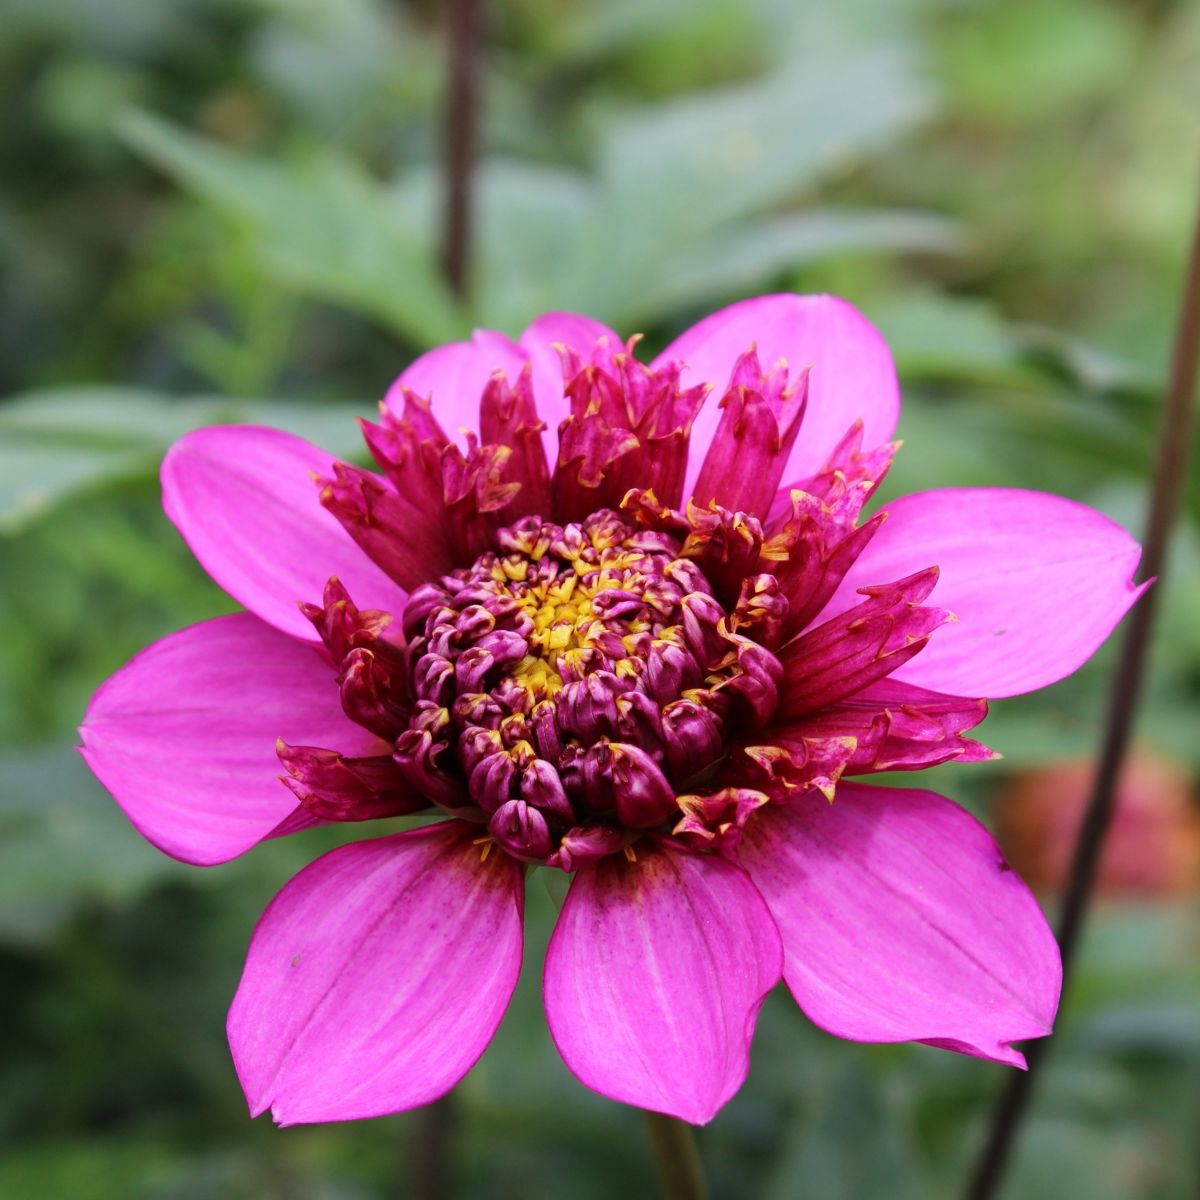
[625, 621]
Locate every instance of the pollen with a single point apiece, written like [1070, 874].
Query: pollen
[537, 676]
[566, 624]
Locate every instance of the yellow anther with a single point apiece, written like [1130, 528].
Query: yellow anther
[564, 630]
[562, 590]
[522, 753]
[558, 637]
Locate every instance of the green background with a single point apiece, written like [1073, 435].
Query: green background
[219, 210]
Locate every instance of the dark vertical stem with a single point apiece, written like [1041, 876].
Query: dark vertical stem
[1170, 475]
[462, 110]
[674, 1147]
[429, 1150]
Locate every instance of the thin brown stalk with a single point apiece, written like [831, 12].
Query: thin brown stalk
[429, 1176]
[1170, 476]
[464, 19]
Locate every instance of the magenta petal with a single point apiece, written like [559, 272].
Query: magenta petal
[901, 921]
[376, 978]
[852, 376]
[655, 975]
[453, 377]
[1037, 583]
[184, 735]
[539, 341]
[245, 500]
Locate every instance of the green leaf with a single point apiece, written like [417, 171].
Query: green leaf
[737, 261]
[62, 837]
[660, 221]
[679, 171]
[61, 441]
[322, 226]
[938, 336]
[1090, 366]
[34, 478]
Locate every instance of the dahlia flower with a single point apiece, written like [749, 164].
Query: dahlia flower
[624, 621]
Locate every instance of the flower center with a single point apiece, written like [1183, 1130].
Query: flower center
[573, 680]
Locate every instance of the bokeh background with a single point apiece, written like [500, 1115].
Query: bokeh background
[216, 210]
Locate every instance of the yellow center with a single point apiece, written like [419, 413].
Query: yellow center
[566, 625]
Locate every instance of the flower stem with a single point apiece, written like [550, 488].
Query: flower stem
[674, 1147]
[1170, 475]
[429, 1150]
[462, 108]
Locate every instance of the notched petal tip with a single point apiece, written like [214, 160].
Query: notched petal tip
[1002, 1052]
[655, 975]
[1038, 583]
[376, 978]
[902, 922]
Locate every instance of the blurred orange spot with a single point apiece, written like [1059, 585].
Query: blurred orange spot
[1153, 846]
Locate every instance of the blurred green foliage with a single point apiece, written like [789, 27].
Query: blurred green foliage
[221, 210]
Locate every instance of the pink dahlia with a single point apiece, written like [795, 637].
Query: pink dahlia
[622, 620]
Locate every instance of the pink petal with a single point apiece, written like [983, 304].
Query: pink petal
[1037, 583]
[852, 375]
[376, 978]
[574, 330]
[184, 735]
[655, 975]
[245, 501]
[901, 921]
[453, 377]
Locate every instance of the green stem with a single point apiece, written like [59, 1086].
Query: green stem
[674, 1147]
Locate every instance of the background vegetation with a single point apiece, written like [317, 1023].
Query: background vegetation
[228, 210]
